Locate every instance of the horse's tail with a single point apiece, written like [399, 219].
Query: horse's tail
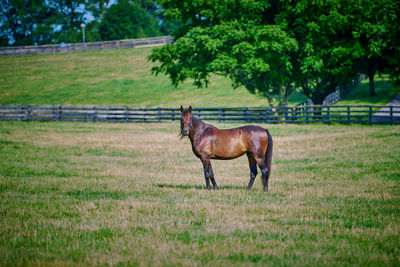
[268, 153]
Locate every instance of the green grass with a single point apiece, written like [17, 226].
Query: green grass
[133, 194]
[111, 77]
[385, 92]
[122, 77]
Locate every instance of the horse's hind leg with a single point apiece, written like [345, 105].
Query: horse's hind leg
[253, 170]
[264, 170]
[208, 173]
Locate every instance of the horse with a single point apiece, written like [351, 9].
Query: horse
[209, 142]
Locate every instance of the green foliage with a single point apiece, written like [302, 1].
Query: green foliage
[237, 46]
[376, 31]
[276, 47]
[125, 20]
[25, 22]
[43, 22]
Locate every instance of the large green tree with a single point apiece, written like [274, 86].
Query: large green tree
[274, 47]
[325, 56]
[25, 22]
[229, 38]
[28, 22]
[126, 20]
[377, 34]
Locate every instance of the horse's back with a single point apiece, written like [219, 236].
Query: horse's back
[233, 143]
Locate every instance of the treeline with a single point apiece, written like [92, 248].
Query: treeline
[278, 47]
[35, 22]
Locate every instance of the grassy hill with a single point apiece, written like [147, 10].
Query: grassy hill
[122, 77]
[111, 77]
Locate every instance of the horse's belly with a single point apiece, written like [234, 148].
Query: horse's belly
[227, 149]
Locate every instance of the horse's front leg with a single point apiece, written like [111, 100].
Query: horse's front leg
[208, 173]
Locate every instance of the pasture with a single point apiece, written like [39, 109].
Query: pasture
[109, 78]
[134, 194]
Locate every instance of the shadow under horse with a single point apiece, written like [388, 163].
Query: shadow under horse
[209, 142]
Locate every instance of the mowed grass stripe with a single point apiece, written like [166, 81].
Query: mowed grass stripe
[105, 194]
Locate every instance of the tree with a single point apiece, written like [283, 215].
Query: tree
[376, 30]
[125, 20]
[25, 22]
[325, 57]
[274, 47]
[228, 38]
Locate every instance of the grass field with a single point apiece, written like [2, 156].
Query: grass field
[122, 77]
[111, 78]
[133, 194]
[385, 92]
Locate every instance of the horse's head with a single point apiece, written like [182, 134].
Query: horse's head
[186, 121]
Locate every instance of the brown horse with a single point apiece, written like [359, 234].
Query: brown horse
[209, 142]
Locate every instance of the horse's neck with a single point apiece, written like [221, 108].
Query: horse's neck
[198, 126]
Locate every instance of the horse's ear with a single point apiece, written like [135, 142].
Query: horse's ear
[190, 109]
[181, 109]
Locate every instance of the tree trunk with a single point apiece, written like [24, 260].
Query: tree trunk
[371, 75]
[317, 111]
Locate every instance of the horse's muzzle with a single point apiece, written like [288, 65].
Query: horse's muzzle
[185, 132]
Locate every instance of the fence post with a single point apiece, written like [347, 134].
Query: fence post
[370, 116]
[29, 113]
[307, 114]
[328, 115]
[94, 114]
[247, 114]
[286, 114]
[348, 115]
[159, 114]
[127, 114]
[60, 113]
[391, 115]
[219, 115]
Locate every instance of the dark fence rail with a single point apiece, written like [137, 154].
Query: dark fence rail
[79, 47]
[298, 114]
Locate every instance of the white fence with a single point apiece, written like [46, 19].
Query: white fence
[79, 47]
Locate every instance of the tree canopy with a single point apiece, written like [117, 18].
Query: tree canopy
[126, 20]
[273, 47]
[30, 22]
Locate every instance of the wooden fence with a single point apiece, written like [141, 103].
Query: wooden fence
[79, 47]
[298, 114]
[340, 93]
